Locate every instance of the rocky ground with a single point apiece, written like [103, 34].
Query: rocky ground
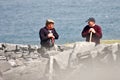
[78, 61]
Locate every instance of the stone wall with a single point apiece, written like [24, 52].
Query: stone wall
[22, 62]
[17, 59]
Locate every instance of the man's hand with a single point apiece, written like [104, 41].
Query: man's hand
[92, 30]
[50, 35]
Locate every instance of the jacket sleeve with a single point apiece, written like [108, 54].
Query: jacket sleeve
[42, 35]
[85, 32]
[98, 32]
[55, 34]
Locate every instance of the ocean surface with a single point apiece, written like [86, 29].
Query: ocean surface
[21, 20]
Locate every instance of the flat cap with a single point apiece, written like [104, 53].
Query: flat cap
[49, 21]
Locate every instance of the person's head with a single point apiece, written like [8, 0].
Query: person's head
[49, 24]
[91, 22]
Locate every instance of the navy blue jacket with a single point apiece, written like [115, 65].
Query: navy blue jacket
[43, 34]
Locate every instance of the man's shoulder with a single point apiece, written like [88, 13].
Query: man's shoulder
[97, 26]
[43, 28]
[87, 26]
[53, 29]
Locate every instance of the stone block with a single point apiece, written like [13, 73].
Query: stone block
[12, 62]
[3, 58]
[23, 48]
[10, 47]
[4, 66]
[1, 53]
[1, 48]
[34, 55]
[32, 70]
[18, 54]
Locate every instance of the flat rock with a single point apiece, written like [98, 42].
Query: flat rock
[1, 46]
[10, 47]
[65, 55]
[32, 70]
[1, 53]
[4, 66]
[34, 55]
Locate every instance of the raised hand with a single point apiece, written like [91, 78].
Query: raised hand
[92, 30]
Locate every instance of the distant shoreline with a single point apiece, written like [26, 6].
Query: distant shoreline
[70, 43]
[109, 41]
[102, 42]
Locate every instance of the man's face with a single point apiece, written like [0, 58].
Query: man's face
[91, 23]
[50, 26]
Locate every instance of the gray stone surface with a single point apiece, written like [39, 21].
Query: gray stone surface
[1, 74]
[10, 47]
[1, 53]
[32, 70]
[22, 62]
[63, 58]
[4, 66]
[1, 46]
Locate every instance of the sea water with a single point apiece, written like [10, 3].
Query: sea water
[21, 20]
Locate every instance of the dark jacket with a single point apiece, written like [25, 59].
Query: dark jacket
[43, 34]
[95, 37]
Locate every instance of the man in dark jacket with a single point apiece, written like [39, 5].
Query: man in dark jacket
[94, 29]
[48, 34]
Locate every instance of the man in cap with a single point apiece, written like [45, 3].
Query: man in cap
[92, 32]
[48, 34]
